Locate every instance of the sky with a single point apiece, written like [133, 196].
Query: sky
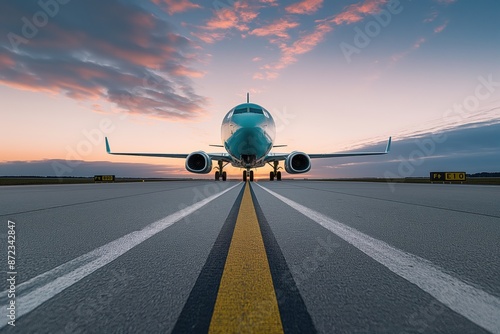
[159, 76]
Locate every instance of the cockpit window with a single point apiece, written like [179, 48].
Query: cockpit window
[240, 111]
[256, 111]
[245, 109]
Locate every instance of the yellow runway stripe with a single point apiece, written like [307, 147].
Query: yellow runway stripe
[246, 301]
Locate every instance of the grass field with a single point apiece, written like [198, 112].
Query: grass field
[16, 181]
[470, 180]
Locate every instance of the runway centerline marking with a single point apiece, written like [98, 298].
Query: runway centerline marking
[474, 304]
[43, 287]
[246, 297]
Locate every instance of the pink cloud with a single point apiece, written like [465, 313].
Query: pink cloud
[267, 75]
[357, 12]
[289, 53]
[432, 16]
[305, 7]
[125, 55]
[6, 61]
[225, 19]
[177, 6]
[446, 2]
[209, 37]
[418, 43]
[440, 28]
[278, 28]
[184, 71]
[269, 2]
[232, 17]
[308, 42]
[238, 17]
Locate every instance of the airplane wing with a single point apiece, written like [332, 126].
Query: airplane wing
[282, 156]
[213, 156]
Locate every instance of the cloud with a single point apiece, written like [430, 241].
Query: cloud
[445, 2]
[307, 42]
[289, 53]
[278, 28]
[237, 16]
[123, 54]
[305, 7]
[432, 16]
[472, 148]
[177, 6]
[357, 12]
[229, 18]
[90, 168]
[440, 28]
[416, 45]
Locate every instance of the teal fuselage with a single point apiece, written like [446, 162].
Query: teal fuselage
[248, 132]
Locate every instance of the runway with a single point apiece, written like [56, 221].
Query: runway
[290, 256]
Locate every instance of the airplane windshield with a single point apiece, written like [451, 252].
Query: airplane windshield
[252, 110]
[256, 111]
[240, 111]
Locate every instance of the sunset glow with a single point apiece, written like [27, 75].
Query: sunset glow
[159, 76]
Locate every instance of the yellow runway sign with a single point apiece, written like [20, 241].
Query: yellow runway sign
[104, 178]
[448, 177]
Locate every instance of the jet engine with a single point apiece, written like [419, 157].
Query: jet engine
[199, 162]
[297, 162]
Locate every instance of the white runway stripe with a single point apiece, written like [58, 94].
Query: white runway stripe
[474, 304]
[38, 290]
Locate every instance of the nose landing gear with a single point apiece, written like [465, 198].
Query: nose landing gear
[248, 174]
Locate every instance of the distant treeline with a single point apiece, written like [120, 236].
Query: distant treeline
[484, 174]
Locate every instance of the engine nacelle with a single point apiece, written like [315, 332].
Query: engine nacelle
[297, 162]
[199, 162]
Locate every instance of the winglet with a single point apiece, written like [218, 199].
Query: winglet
[107, 146]
[388, 148]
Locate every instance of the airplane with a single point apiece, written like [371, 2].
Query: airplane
[248, 132]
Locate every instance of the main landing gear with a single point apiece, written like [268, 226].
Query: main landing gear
[272, 175]
[248, 174]
[275, 173]
[220, 172]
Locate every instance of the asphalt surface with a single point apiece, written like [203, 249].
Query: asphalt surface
[345, 257]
